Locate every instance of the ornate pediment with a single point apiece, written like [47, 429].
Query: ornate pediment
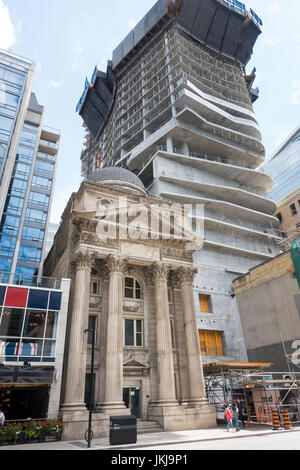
[134, 363]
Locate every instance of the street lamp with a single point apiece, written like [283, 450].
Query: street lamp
[89, 432]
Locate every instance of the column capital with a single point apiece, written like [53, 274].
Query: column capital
[83, 260]
[115, 264]
[186, 275]
[158, 271]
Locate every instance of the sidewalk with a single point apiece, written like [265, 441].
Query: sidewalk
[155, 439]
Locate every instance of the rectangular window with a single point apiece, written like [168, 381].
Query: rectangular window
[94, 287]
[41, 182]
[133, 333]
[39, 198]
[279, 217]
[293, 209]
[11, 322]
[205, 303]
[44, 166]
[132, 288]
[36, 216]
[34, 326]
[211, 343]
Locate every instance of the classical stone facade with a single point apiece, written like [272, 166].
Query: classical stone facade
[139, 294]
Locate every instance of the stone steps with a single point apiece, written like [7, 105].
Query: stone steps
[144, 427]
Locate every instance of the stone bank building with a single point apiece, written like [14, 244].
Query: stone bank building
[138, 293]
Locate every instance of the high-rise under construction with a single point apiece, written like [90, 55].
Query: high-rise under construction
[175, 107]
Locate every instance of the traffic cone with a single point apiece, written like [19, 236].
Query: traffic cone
[276, 420]
[286, 420]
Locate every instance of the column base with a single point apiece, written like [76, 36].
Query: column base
[182, 418]
[73, 407]
[113, 408]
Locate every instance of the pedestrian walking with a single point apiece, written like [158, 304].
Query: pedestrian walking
[228, 417]
[241, 412]
[235, 412]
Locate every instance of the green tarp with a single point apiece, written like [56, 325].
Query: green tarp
[296, 258]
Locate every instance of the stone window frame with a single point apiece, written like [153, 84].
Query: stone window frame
[94, 282]
[134, 319]
[134, 288]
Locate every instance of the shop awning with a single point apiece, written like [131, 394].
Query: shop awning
[26, 375]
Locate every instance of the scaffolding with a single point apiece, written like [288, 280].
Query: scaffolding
[260, 390]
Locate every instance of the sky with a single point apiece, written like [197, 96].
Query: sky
[67, 38]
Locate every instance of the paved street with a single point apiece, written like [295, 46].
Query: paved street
[282, 441]
[255, 437]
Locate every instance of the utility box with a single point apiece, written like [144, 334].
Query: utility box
[123, 430]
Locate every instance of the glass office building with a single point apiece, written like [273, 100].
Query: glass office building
[284, 167]
[28, 159]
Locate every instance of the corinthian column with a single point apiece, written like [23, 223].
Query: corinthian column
[113, 392]
[165, 365]
[197, 392]
[77, 352]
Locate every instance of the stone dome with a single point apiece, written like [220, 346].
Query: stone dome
[119, 177]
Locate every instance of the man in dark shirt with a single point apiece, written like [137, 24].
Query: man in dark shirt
[242, 412]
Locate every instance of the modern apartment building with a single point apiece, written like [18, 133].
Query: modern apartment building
[175, 107]
[28, 161]
[284, 168]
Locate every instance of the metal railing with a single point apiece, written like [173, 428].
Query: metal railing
[29, 281]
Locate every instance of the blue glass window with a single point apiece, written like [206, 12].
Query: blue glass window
[36, 216]
[14, 205]
[38, 299]
[29, 253]
[55, 301]
[30, 233]
[7, 245]
[41, 182]
[2, 294]
[44, 166]
[39, 198]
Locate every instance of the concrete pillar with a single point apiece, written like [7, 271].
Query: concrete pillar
[113, 386]
[165, 367]
[197, 393]
[77, 351]
[169, 143]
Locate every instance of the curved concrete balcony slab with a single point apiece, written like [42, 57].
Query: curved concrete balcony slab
[221, 102]
[217, 115]
[224, 207]
[191, 117]
[226, 193]
[197, 138]
[216, 224]
[253, 178]
[241, 251]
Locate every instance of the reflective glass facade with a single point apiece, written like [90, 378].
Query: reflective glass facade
[284, 168]
[11, 90]
[30, 172]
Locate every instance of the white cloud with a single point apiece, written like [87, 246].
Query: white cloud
[274, 8]
[78, 51]
[273, 41]
[7, 31]
[296, 93]
[55, 84]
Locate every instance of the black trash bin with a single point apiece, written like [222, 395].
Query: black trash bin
[123, 430]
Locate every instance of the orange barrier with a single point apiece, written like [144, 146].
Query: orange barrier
[276, 420]
[286, 420]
